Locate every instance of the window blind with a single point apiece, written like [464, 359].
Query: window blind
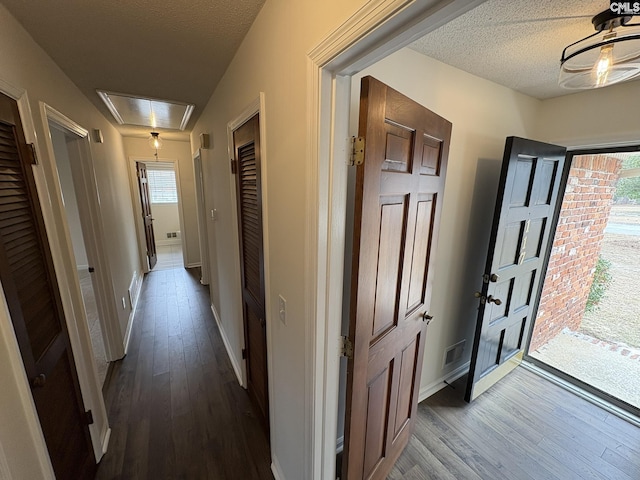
[162, 185]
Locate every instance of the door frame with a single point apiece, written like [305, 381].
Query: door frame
[376, 30]
[137, 208]
[90, 218]
[257, 106]
[201, 214]
[65, 266]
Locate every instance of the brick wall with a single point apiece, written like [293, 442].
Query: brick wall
[576, 247]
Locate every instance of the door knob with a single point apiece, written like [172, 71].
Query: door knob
[39, 381]
[427, 318]
[497, 301]
[489, 299]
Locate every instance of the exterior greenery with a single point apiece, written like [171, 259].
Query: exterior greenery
[629, 187]
[601, 281]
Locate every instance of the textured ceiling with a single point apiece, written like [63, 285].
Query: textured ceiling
[154, 48]
[516, 43]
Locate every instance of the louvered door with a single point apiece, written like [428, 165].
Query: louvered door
[246, 141]
[30, 287]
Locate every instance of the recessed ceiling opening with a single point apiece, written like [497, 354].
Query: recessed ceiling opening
[149, 112]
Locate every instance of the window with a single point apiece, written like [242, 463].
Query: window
[162, 184]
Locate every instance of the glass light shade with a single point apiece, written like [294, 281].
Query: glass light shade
[602, 60]
[155, 141]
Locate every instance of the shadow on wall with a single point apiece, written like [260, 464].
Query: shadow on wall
[480, 220]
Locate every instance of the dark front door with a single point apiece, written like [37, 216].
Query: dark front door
[399, 193]
[246, 143]
[147, 217]
[527, 200]
[29, 282]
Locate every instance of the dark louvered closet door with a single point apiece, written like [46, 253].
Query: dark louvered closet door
[28, 279]
[247, 166]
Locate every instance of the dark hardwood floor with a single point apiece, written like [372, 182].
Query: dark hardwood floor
[522, 428]
[175, 407]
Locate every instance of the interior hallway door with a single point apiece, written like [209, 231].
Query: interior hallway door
[147, 217]
[247, 169]
[399, 191]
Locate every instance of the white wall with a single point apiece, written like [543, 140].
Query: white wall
[483, 114]
[165, 219]
[272, 59]
[593, 117]
[180, 151]
[24, 65]
[69, 196]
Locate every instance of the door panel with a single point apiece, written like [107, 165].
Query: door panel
[398, 204]
[527, 200]
[147, 217]
[28, 279]
[249, 199]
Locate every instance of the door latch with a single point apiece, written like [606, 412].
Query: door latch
[489, 299]
[486, 278]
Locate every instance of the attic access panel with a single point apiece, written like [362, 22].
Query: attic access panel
[148, 112]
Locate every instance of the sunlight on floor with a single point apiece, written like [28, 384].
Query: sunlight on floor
[169, 256]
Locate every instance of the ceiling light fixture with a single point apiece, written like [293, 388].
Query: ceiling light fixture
[155, 142]
[611, 55]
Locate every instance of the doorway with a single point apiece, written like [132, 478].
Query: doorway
[587, 327]
[160, 214]
[85, 268]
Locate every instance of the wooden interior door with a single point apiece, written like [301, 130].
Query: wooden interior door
[147, 217]
[29, 282]
[527, 200]
[398, 205]
[246, 145]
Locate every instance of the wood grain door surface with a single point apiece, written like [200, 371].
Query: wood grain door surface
[31, 289]
[246, 142]
[399, 193]
[526, 202]
[147, 217]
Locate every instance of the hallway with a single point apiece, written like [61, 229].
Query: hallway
[174, 404]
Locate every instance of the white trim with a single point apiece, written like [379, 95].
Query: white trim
[105, 442]
[201, 216]
[276, 469]
[55, 220]
[257, 106]
[427, 390]
[91, 219]
[5, 473]
[375, 31]
[136, 281]
[194, 265]
[227, 345]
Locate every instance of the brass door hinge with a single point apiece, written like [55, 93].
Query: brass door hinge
[234, 166]
[357, 151]
[346, 347]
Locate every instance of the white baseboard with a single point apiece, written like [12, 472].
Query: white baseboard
[439, 384]
[227, 345]
[105, 441]
[135, 287]
[193, 265]
[276, 470]
[5, 473]
[173, 241]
